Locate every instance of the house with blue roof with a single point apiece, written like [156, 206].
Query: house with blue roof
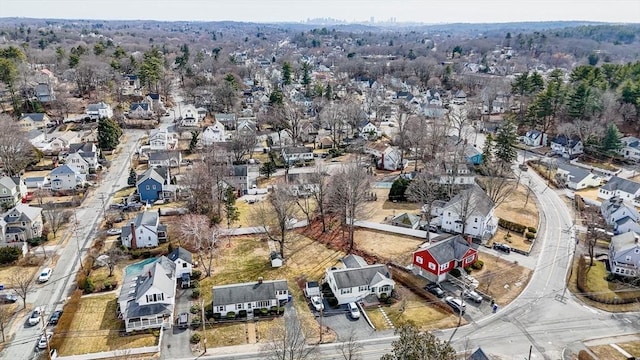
[140, 111]
[567, 146]
[577, 178]
[534, 138]
[65, 177]
[473, 155]
[630, 148]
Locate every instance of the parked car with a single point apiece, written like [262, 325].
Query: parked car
[55, 317]
[183, 320]
[44, 340]
[473, 295]
[8, 298]
[34, 319]
[354, 312]
[45, 275]
[456, 304]
[116, 206]
[502, 247]
[435, 289]
[114, 231]
[317, 303]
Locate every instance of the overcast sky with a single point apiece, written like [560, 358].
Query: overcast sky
[427, 11]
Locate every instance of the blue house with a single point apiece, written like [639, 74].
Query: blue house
[154, 185]
[473, 155]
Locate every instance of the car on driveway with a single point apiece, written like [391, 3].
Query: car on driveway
[435, 289]
[34, 319]
[473, 295]
[8, 298]
[354, 312]
[45, 275]
[457, 304]
[44, 340]
[317, 304]
[183, 320]
[502, 247]
[114, 231]
[55, 317]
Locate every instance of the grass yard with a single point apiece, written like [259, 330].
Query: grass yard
[377, 318]
[6, 272]
[383, 208]
[394, 247]
[226, 334]
[591, 194]
[416, 309]
[503, 280]
[513, 208]
[516, 241]
[632, 347]
[263, 327]
[597, 283]
[606, 352]
[97, 328]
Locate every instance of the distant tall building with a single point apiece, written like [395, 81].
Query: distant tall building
[372, 20]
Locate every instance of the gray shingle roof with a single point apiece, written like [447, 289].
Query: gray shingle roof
[61, 170]
[480, 204]
[452, 248]
[352, 261]
[159, 274]
[33, 116]
[151, 173]
[624, 185]
[145, 218]
[181, 253]
[247, 292]
[348, 278]
[577, 173]
[622, 241]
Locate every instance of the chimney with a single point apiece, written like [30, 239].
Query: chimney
[149, 273]
[134, 242]
[469, 239]
[260, 280]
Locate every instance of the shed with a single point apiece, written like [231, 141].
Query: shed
[276, 259]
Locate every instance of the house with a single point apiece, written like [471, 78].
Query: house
[162, 140]
[34, 121]
[155, 184]
[44, 93]
[60, 141]
[452, 173]
[479, 354]
[37, 138]
[21, 223]
[99, 111]
[473, 155]
[130, 85]
[576, 178]
[368, 130]
[474, 205]
[568, 147]
[391, 159]
[630, 148]
[623, 188]
[88, 151]
[147, 295]
[12, 190]
[435, 261]
[292, 155]
[241, 178]
[246, 127]
[144, 231]
[37, 182]
[140, 111]
[213, 134]
[65, 177]
[228, 120]
[534, 138]
[156, 103]
[166, 158]
[190, 117]
[624, 254]
[460, 98]
[77, 163]
[183, 260]
[250, 296]
[357, 280]
[621, 215]
[406, 220]
[276, 259]
[202, 112]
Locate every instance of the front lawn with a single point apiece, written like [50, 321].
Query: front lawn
[226, 334]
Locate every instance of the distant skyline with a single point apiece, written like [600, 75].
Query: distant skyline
[425, 11]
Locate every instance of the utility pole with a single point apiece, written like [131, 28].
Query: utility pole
[44, 333]
[204, 320]
[321, 314]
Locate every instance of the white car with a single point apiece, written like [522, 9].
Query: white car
[45, 275]
[34, 319]
[354, 312]
[456, 304]
[114, 231]
[473, 296]
[44, 340]
[317, 303]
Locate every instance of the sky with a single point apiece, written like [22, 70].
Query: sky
[425, 11]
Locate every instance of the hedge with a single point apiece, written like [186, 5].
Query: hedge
[478, 265]
[530, 235]
[512, 226]
[531, 229]
[195, 338]
[10, 254]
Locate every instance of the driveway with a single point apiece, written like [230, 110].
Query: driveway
[344, 326]
[175, 342]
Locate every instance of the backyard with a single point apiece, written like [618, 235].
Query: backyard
[394, 247]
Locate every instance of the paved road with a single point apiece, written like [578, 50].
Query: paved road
[53, 294]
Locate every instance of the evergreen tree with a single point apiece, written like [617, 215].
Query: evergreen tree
[487, 150]
[306, 77]
[267, 169]
[611, 141]
[398, 189]
[193, 144]
[414, 344]
[505, 139]
[109, 133]
[328, 92]
[133, 177]
[286, 73]
[276, 97]
[230, 208]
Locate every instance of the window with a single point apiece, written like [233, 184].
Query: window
[363, 288]
[432, 266]
[444, 266]
[184, 264]
[475, 220]
[419, 259]
[263, 304]
[154, 187]
[239, 306]
[148, 187]
[345, 291]
[220, 308]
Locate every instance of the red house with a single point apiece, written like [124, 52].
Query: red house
[435, 261]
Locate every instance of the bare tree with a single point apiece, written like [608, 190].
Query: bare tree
[22, 283]
[275, 215]
[288, 343]
[457, 118]
[115, 256]
[55, 218]
[243, 145]
[15, 150]
[332, 118]
[205, 183]
[5, 317]
[497, 183]
[201, 236]
[292, 118]
[320, 179]
[349, 194]
[424, 190]
[350, 348]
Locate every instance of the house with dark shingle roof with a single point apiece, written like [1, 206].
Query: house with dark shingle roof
[250, 296]
[21, 223]
[567, 146]
[166, 158]
[624, 254]
[577, 178]
[154, 184]
[144, 231]
[34, 121]
[630, 148]
[474, 206]
[183, 260]
[359, 280]
[621, 215]
[623, 188]
[435, 261]
[147, 295]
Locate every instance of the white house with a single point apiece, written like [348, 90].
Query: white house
[213, 134]
[249, 297]
[88, 151]
[77, 163]
[99, 111]
[357, 280]
[61, 141]
[144, 231]
[162, 140]
[147, 295]
[624, 254]
[65, 177]
[165, 158]
[294, 154]
[12, 190]
[369, 131]
[190, 116]
[452, 173]
[577, 178]
[183, 260]
[568, 147]
[391, 159]
[474, 205]
[621, 215]
[630, 148]
[534, 138]
[140, 111]
[623, 188]
[32, 121]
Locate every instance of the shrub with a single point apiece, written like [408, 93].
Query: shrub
[196, 322]
[332, 301]
[455, 273]
[194, 309]
[196, 274]
[242, 313]
[195, 338]
[107, 285]
[231, 315]
[195, 284]
[264, 311]
[88, 287]
[9, 254]
[478, 265]
[531, 229]
[217, 316]
[512, 226]
[530, 236]
[195, 293]
[273, 310]
[468, 269]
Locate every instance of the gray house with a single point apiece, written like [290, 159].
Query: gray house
[262, 294]
[624, 254]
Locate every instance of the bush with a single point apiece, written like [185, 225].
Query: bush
[455, 273]
[512, 226]
[530, 236]
[468, 269]
[231, 315]
[194, 309]
[196, 274]
[264, 311]
[196, 322]
[332, 301]
[195, 338]
[531, 229]
[217, 316]
[195, 284]
[9, 254]
[273, 310]
[242, 314]
[88, 287]
[478, 265]
[195, 293]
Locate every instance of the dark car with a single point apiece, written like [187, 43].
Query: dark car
[8, 298]
[502, 247]
[435, 289]
[55, 317]
[183, 321]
